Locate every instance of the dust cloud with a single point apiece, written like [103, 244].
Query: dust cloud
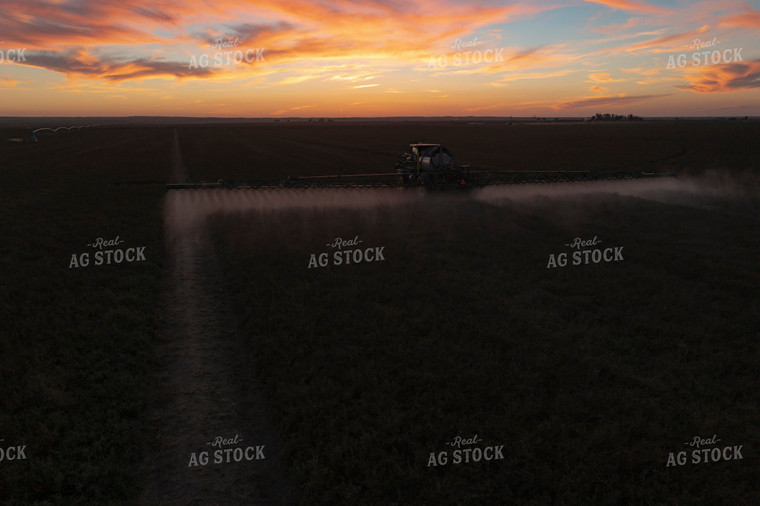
[711, 190]
[186, 209]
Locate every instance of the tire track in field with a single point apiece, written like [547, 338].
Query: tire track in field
[203, 382]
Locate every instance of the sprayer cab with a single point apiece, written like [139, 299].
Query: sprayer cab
[430, 165]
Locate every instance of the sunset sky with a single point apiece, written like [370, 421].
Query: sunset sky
[332, 58]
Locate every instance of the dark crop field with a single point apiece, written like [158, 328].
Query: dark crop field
[581, 380]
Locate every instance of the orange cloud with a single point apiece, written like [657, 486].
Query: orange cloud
[725, 78]
[603, 101]
[750, 18]
[670, 42]
[629, 6]
[603, 77]
[79, 62]
[658, 44]
[9, 83]
[513, 64]
[294, 80]
[518, 76]
[42, 25]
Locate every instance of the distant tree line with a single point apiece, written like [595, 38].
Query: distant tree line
[614, 117]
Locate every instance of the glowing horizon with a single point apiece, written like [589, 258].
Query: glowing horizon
[338, 58]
